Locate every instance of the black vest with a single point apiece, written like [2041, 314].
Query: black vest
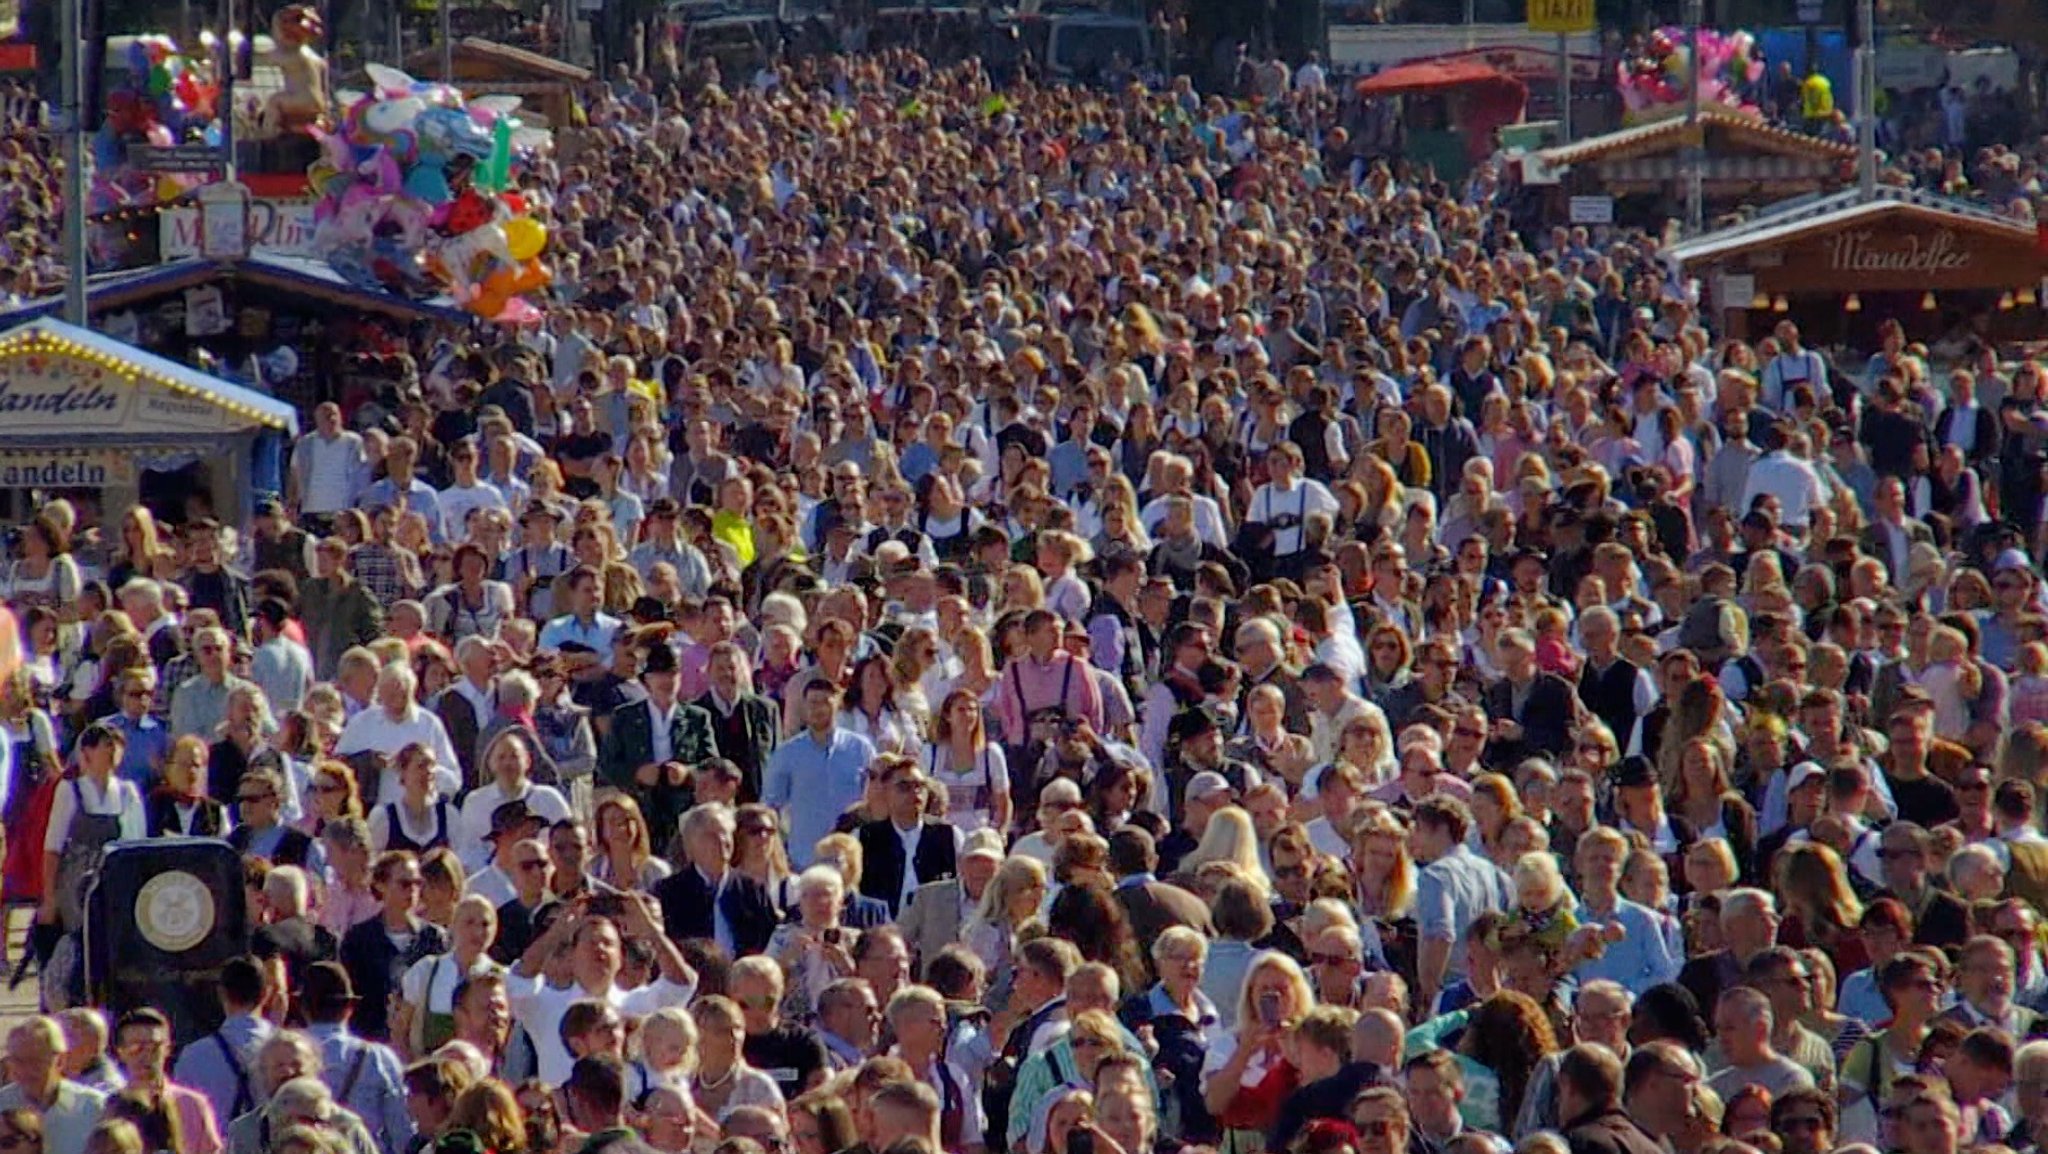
[1611, 695]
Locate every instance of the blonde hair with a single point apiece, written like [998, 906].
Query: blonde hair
[1230, 838]
[1247, 999]
[1012, 877]
[1397, 891]
[1538, 871]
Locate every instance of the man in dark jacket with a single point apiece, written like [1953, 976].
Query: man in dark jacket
[1589, 1099]
[1532, 710]
[905, 850]
[705, 898]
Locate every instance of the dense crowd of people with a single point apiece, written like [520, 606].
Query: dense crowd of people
[1059, 621]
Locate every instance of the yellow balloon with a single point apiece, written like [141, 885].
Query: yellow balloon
[525, 237]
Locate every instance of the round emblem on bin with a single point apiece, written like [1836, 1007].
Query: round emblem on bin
[174, 911]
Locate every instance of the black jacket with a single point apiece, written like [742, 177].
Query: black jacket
[375, 966]
[1608, 1131]
[686, 912]
[881, 874]
[1546, 719]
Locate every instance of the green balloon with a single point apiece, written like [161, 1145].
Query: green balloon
[159, 80]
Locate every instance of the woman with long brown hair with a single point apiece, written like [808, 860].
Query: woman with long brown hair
[1820, 908]
[625, 850]
[971, 767]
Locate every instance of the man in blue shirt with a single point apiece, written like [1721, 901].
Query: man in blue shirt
[365, 1076]
[1453, 887]
[221, 1066]
[583, 624]
[1637, 954]
[818, 774]
[402, 488]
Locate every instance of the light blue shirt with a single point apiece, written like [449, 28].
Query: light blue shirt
[1861, 1000]
[1638, 961]
[597, 634]
[72, 1114]
[378, 1095]
[204, 1067]
[813, 783]
[1450, 892]
[420, 498]
[1223, 978]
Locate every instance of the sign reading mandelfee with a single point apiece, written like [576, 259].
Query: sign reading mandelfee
[1864, 251]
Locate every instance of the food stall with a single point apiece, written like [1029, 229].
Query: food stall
[1841, 265]
[1644, 169]
[80, 411]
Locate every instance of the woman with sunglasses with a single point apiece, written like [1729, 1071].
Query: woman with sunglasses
[380, 949]
[758, 853]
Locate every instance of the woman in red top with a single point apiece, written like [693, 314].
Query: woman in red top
[1820, 910]
[1246, 1075]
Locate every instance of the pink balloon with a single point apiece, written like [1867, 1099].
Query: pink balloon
[518, 311]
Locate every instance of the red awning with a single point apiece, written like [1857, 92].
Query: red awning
[1437, 75]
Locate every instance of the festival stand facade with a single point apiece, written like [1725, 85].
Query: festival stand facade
[80, 411]
[1841, 265]
[1646, 168]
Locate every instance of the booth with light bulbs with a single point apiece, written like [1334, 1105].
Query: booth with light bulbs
[84, 414]
[1841, 266]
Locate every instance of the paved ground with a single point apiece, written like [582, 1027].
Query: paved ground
[19, 1002]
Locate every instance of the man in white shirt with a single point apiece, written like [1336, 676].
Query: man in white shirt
[1285, 504]
[597, 953]
[1785, 474]
[510, 763]
[396, 722]
[327, 463]
[467, 492]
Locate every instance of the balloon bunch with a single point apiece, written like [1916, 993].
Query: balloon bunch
[414, 188]
[1653, 79]
[164, 99]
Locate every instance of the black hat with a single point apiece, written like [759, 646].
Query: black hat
[326, 984]
[270, 507]
[511, 817]
[1634, 771]
[659, 658]
[663, 507]
[539, 509]
[1193, 723]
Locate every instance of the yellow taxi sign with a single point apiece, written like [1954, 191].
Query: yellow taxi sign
[1561, 15]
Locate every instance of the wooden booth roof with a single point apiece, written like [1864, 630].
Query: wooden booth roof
[1723, 130]
[476, 58]
[1894, 239]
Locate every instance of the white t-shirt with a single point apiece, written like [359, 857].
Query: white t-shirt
[1287, 512]
[429, 985]
[468, 836]
[540, 1007]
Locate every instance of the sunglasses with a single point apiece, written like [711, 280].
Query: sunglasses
[1332, 960]
[251, 798]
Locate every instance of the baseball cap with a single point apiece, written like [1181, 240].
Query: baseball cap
[2009, 560]
[1802, 773]
[1207, 784]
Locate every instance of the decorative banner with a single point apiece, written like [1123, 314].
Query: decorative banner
[276, 228]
